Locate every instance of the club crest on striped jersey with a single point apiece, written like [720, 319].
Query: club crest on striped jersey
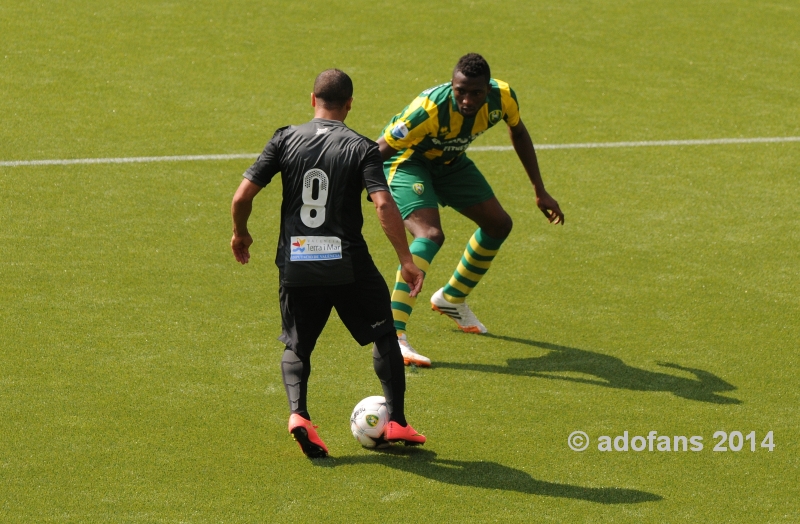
[495, 116]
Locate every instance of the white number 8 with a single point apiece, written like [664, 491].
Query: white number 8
[313, 211]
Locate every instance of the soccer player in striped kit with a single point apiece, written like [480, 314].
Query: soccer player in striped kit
[425, 163]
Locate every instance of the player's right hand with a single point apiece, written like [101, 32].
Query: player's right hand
[549, 207]
[413, 277]
[240, 245]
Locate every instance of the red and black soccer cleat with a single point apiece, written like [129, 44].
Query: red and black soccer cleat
[394, 432]
[306, 436]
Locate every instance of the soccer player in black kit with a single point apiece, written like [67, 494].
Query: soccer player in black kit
[322, 257]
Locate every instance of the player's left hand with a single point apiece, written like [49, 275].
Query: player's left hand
[413, 277]
[549, 207]
[240, 245]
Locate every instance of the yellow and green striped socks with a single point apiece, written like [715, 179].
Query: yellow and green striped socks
[481, 250]
[422, 250]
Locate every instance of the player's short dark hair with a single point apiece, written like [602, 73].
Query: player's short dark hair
[473, 65]
[334, 88]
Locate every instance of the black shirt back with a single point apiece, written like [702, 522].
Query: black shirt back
[324, 166]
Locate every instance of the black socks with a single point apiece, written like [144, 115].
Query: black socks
[388, 363]
[295, 379]
[386, 359]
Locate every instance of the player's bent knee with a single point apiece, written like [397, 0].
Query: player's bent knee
[499, 229]
[509, 225]
[435, 235]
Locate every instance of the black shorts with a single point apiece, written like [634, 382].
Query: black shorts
[364, 306]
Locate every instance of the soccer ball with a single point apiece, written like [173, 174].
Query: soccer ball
[368, 420]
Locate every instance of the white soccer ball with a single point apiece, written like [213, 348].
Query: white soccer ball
[368, 421]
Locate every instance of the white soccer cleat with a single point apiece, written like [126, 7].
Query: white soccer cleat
[410, 355]
[461, 313]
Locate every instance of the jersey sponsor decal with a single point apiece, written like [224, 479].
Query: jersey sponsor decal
[495, 116]
[454, 141]
[315, 248]
[376, 324]
[455, 144]
[418, 188]
[400, 131]
[321, 130]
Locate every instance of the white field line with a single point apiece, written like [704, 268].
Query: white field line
[656, 143]
[238, 156]
[125, 160]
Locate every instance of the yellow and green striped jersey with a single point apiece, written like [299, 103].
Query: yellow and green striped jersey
[432, 126]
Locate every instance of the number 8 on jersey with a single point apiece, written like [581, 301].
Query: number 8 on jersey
[315, 195]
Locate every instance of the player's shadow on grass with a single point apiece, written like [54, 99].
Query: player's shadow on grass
[488, 475]
[611, 372]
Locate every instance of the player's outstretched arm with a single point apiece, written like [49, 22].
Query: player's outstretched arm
[392, 224]
[523, 145]
[241, 207]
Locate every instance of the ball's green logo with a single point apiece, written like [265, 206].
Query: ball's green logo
[372, 420]
[418, 188]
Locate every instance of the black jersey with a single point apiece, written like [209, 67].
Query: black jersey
[324, 166]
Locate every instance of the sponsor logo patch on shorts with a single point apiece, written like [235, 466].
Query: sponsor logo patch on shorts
[315, 248]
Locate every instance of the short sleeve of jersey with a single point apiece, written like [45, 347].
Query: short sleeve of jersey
[268, 163]
[510, 105]
[372, 170]
[416, 122]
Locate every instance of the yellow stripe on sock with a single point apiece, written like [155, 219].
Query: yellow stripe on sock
[466, 273]
[483, 264]
[459, 286]
[399, 295]
[420, 262]
[402, 316]
[482, 251]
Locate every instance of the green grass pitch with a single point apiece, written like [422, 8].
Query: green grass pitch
[139, 376]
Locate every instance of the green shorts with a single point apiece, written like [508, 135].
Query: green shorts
[418, 183]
